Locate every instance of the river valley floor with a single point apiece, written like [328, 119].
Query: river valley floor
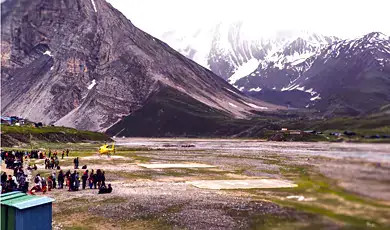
[338, 185]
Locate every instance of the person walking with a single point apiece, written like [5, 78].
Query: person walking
[53, 177]
[22, 183]
[60, 180]
[99, 177]
[94, 176]
[44, 185]
[76, 163]
[3, 177]
[103, 179]
[76, 182]
[90, 180]
[47, 163]
[84, 178]
[72, 181]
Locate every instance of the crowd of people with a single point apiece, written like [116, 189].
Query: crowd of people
[71, 181]
[19, 181]
[12, 159]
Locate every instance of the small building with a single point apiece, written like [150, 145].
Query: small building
[284, 129]
[335, 134]
[20, 211]
[349, 133]
[310, 131]
[295, 132]
[6, 120]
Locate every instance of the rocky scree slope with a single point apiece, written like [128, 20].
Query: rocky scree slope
[82, 64]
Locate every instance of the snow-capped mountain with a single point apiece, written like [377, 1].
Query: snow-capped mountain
[314, 66]
[348, 76]
[235, 50]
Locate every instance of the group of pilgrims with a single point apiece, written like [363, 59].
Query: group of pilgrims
[18, 161]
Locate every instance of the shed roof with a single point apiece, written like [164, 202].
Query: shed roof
[12, 196]
[23, 201]
[8, 194]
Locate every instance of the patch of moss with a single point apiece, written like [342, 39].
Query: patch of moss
[352, 221]
[313, 184]
[146, 174]
[141, 159]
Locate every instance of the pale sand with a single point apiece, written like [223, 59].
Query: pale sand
[242, 184]
[166, 166]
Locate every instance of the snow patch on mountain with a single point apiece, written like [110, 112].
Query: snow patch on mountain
[255, 106]
[233, 105]
[258, 89]
[290, 87]
[315, 98]
[94, 6]
[48, 52]
[92, 84]
[231, 91]
[244, 70]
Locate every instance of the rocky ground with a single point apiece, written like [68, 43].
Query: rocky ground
[340, 186]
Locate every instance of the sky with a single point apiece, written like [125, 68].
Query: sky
[343, 18]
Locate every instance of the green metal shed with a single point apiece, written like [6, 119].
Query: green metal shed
[20, 211]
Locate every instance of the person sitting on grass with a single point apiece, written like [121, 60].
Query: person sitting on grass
[37, 186]
[103, 189]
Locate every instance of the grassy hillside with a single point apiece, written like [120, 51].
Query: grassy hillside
[15, 135]
[170, 113]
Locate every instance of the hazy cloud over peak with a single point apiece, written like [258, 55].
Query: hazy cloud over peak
[344, 18]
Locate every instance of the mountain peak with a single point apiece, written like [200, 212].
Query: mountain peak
[376, 36]
[81, 63]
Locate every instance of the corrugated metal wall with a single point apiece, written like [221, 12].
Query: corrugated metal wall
[35, 218]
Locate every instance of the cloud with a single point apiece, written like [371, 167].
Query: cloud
[345, 18]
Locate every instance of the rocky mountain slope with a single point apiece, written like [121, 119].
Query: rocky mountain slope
[81, 63]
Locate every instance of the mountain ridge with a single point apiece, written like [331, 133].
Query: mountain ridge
[82, 64]
[291, 61]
